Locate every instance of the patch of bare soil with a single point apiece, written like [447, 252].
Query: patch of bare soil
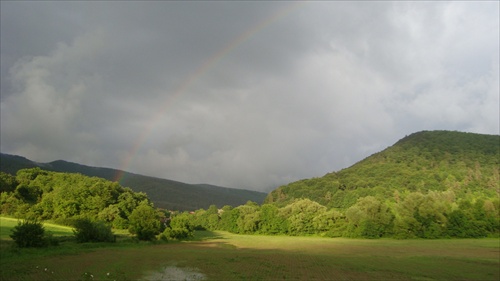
[175, 273]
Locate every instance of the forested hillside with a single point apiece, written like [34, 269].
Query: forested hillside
[463, 163]
[65, 197]
[164, 193]
[429, 185]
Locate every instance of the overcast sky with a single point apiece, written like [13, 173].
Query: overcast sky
[241, 94]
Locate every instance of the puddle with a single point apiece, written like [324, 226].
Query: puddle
[175, 273]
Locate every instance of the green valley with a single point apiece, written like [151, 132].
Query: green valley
[428, 185]
[431, 184]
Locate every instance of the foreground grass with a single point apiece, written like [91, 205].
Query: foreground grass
[225, 256]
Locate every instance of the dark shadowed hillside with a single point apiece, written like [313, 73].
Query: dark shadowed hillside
[163, 193]
[10, 164]
[465, 163]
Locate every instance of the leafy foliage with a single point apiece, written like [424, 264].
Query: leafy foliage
[145, 222]
[29, 233]
[369, 218]
[465, 163]
[86, 230]
[8, 182]
[64, 197]
[181, 227]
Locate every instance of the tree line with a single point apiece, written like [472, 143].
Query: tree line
[70, 198]
[411, 215]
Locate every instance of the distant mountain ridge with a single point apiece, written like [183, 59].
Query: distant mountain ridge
[164, 193]
[465, 163]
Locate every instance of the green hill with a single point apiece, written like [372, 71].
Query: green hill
[10, 164]
[65, 197]
[465, 163]
[428, 185]
[164, 193]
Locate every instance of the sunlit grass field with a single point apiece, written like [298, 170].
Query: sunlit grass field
[225, 256]
[6, 224]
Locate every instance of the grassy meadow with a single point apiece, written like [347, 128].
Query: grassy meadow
[6, 224]
[225, 256]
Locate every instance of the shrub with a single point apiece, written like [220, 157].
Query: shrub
[176, 233]
[29, 233]
[180, 228]
[92, 231]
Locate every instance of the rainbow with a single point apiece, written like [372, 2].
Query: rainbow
[203, 68]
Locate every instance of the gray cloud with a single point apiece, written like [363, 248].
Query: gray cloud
[241, 94]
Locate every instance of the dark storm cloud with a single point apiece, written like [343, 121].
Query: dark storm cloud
[241, 94]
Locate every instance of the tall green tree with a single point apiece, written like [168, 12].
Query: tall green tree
[300, 216]
[271, 222]
[331, 223]
[144, 221]
[249, 218]
[8, 182]
[228, 219]
[369, 218]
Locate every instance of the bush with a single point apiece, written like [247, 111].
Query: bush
[176, 233]
[180, 228]
[29, 233]
[92, 231]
